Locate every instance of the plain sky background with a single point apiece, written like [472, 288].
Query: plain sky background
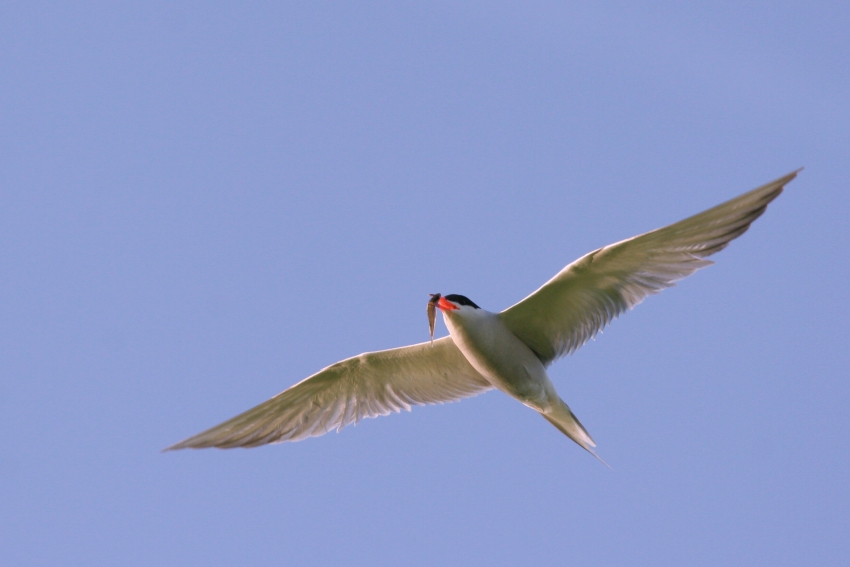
[203, 203]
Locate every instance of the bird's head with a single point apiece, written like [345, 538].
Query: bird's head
[453, 302]
[450, 305]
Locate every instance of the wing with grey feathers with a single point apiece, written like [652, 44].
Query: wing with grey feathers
[585, 296]
[368, 385]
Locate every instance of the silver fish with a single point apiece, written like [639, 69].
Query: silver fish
[432, 313]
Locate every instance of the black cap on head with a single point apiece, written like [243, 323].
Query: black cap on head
[461, 300]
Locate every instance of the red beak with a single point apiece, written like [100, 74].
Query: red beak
[446, 305]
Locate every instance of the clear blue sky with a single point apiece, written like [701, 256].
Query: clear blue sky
[203, 203]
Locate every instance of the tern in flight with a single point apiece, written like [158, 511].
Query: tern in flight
[508, 351]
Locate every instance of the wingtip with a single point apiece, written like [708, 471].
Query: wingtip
[787, 178]
[184, 444]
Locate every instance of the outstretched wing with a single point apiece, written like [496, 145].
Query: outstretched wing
[586, 295]
[368, 385]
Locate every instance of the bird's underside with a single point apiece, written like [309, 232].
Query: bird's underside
[553, 321]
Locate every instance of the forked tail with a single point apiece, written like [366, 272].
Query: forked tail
[567, 423]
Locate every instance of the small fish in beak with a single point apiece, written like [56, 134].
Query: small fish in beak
[432, 313]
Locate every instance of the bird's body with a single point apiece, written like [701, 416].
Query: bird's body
[510, 366]
[499, 356]
[508, 351]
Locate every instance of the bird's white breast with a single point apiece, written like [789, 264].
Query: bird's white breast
[498, 355]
